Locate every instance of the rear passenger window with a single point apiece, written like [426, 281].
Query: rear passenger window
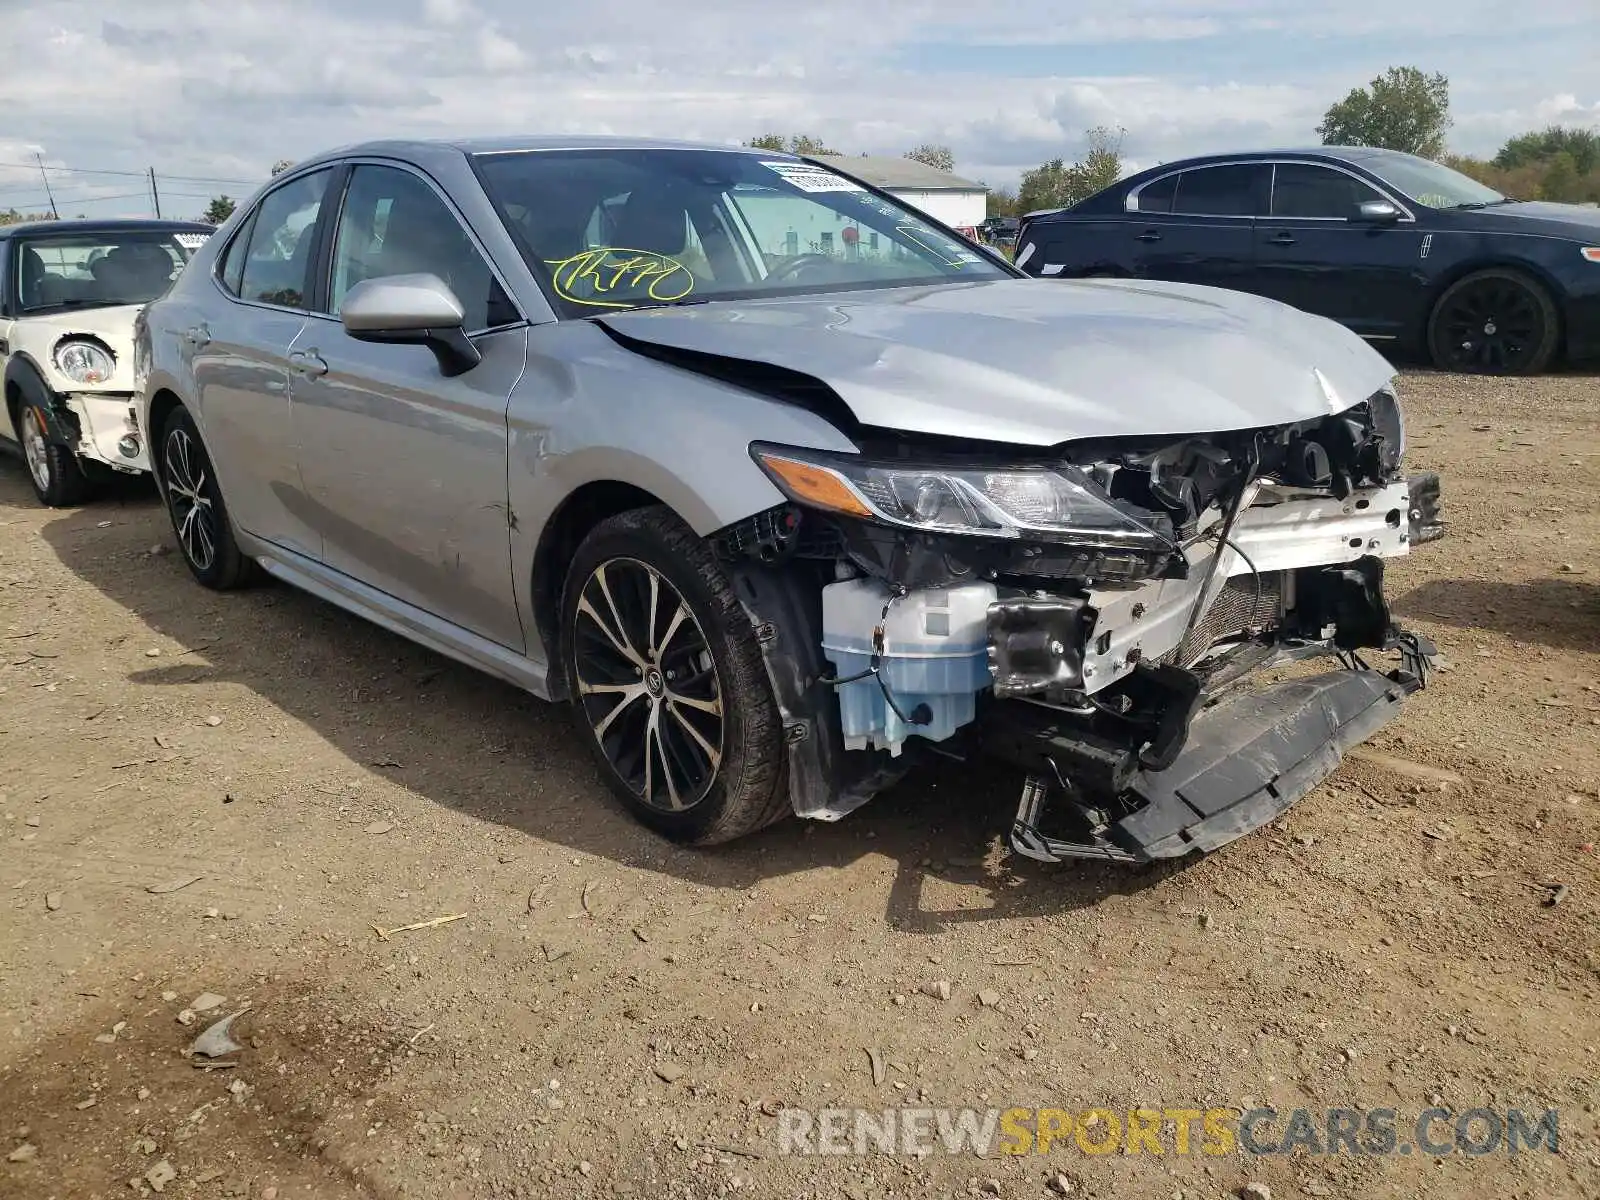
[1218, 191]
[1157, 197]
[277, 259]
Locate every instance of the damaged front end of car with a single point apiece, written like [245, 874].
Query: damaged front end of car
[1101, 615]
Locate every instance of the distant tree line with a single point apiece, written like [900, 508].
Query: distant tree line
[1555, 163]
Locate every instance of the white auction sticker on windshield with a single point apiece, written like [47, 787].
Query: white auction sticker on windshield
[812, 179]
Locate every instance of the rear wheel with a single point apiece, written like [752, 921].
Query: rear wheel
[1494, 322]
[194, 502]
[667, 681]
[58, 478]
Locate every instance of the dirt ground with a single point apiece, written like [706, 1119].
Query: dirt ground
[617, 1017]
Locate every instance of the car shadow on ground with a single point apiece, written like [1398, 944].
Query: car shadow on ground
[1562, 612]
[471, 743]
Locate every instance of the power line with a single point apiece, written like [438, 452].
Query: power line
[82, 201]
[133, 174]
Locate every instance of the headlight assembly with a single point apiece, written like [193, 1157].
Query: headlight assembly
[1049, 503]
[83, 361]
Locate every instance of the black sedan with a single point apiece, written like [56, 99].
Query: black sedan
[1400, 249]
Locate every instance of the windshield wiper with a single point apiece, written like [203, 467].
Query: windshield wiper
[1485, 203]
[684, 303]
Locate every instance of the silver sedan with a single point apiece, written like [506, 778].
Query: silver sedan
[785, 488]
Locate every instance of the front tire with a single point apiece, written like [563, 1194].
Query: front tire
[194, 502]
[57, 476]
[1494, 322]
[667, 682]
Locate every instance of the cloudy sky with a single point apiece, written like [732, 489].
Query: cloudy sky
[211, 93]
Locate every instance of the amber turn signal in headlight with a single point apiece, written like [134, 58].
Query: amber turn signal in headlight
[808, 483]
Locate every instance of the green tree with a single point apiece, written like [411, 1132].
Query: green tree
[282, 165]
[938, 157]
[218, 211]
[1101, 166]
[805, 144]
[1058, 184]
[1002, 202]
[1045, 186]
[11, 216]
[1581, 145]
[797, 143]
[1402, 109]
[1561, 180]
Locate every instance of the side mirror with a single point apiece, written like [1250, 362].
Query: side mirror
[411, 310]
[1378, 211]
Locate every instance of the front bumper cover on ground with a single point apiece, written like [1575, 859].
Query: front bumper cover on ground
[1246, 760]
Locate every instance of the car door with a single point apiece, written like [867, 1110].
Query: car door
[1316, 251]
[405, 467]
[1197, 225]
[239, 349]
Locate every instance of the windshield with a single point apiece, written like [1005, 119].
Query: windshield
[98, 270]
[1430, 183]
[609, 229]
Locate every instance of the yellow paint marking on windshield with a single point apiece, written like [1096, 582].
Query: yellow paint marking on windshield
[605, 270]
[912, 233]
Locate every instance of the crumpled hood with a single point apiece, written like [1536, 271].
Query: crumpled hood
[1038, 362]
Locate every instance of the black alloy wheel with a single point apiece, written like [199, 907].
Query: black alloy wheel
[194, 502]
[648, 684]
[667, 681]
[1495, 322]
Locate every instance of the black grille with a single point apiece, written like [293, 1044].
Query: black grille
[1235, 610]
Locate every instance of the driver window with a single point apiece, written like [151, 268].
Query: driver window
[393, 223]
[1305, 190]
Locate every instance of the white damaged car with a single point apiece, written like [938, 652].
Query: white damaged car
[69, 291]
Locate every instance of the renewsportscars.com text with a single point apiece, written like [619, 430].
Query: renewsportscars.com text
[1158, 1131]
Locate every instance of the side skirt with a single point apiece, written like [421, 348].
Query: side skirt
[415, 624]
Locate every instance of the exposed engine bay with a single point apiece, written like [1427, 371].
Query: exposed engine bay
[1098, 615]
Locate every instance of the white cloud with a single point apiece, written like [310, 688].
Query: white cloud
[498, 52]
[221, 91]
[447, 12]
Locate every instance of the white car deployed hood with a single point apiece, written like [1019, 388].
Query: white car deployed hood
[1039, 362]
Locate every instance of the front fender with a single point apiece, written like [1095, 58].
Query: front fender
[25, 385]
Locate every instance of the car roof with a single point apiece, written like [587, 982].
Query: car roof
[405, 148]
[1344, 154]
[104, 225]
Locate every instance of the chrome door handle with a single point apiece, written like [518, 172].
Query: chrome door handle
[1149, 235]
[1283, 239]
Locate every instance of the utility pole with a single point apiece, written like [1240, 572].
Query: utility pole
[39, 158]
[155, 196]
